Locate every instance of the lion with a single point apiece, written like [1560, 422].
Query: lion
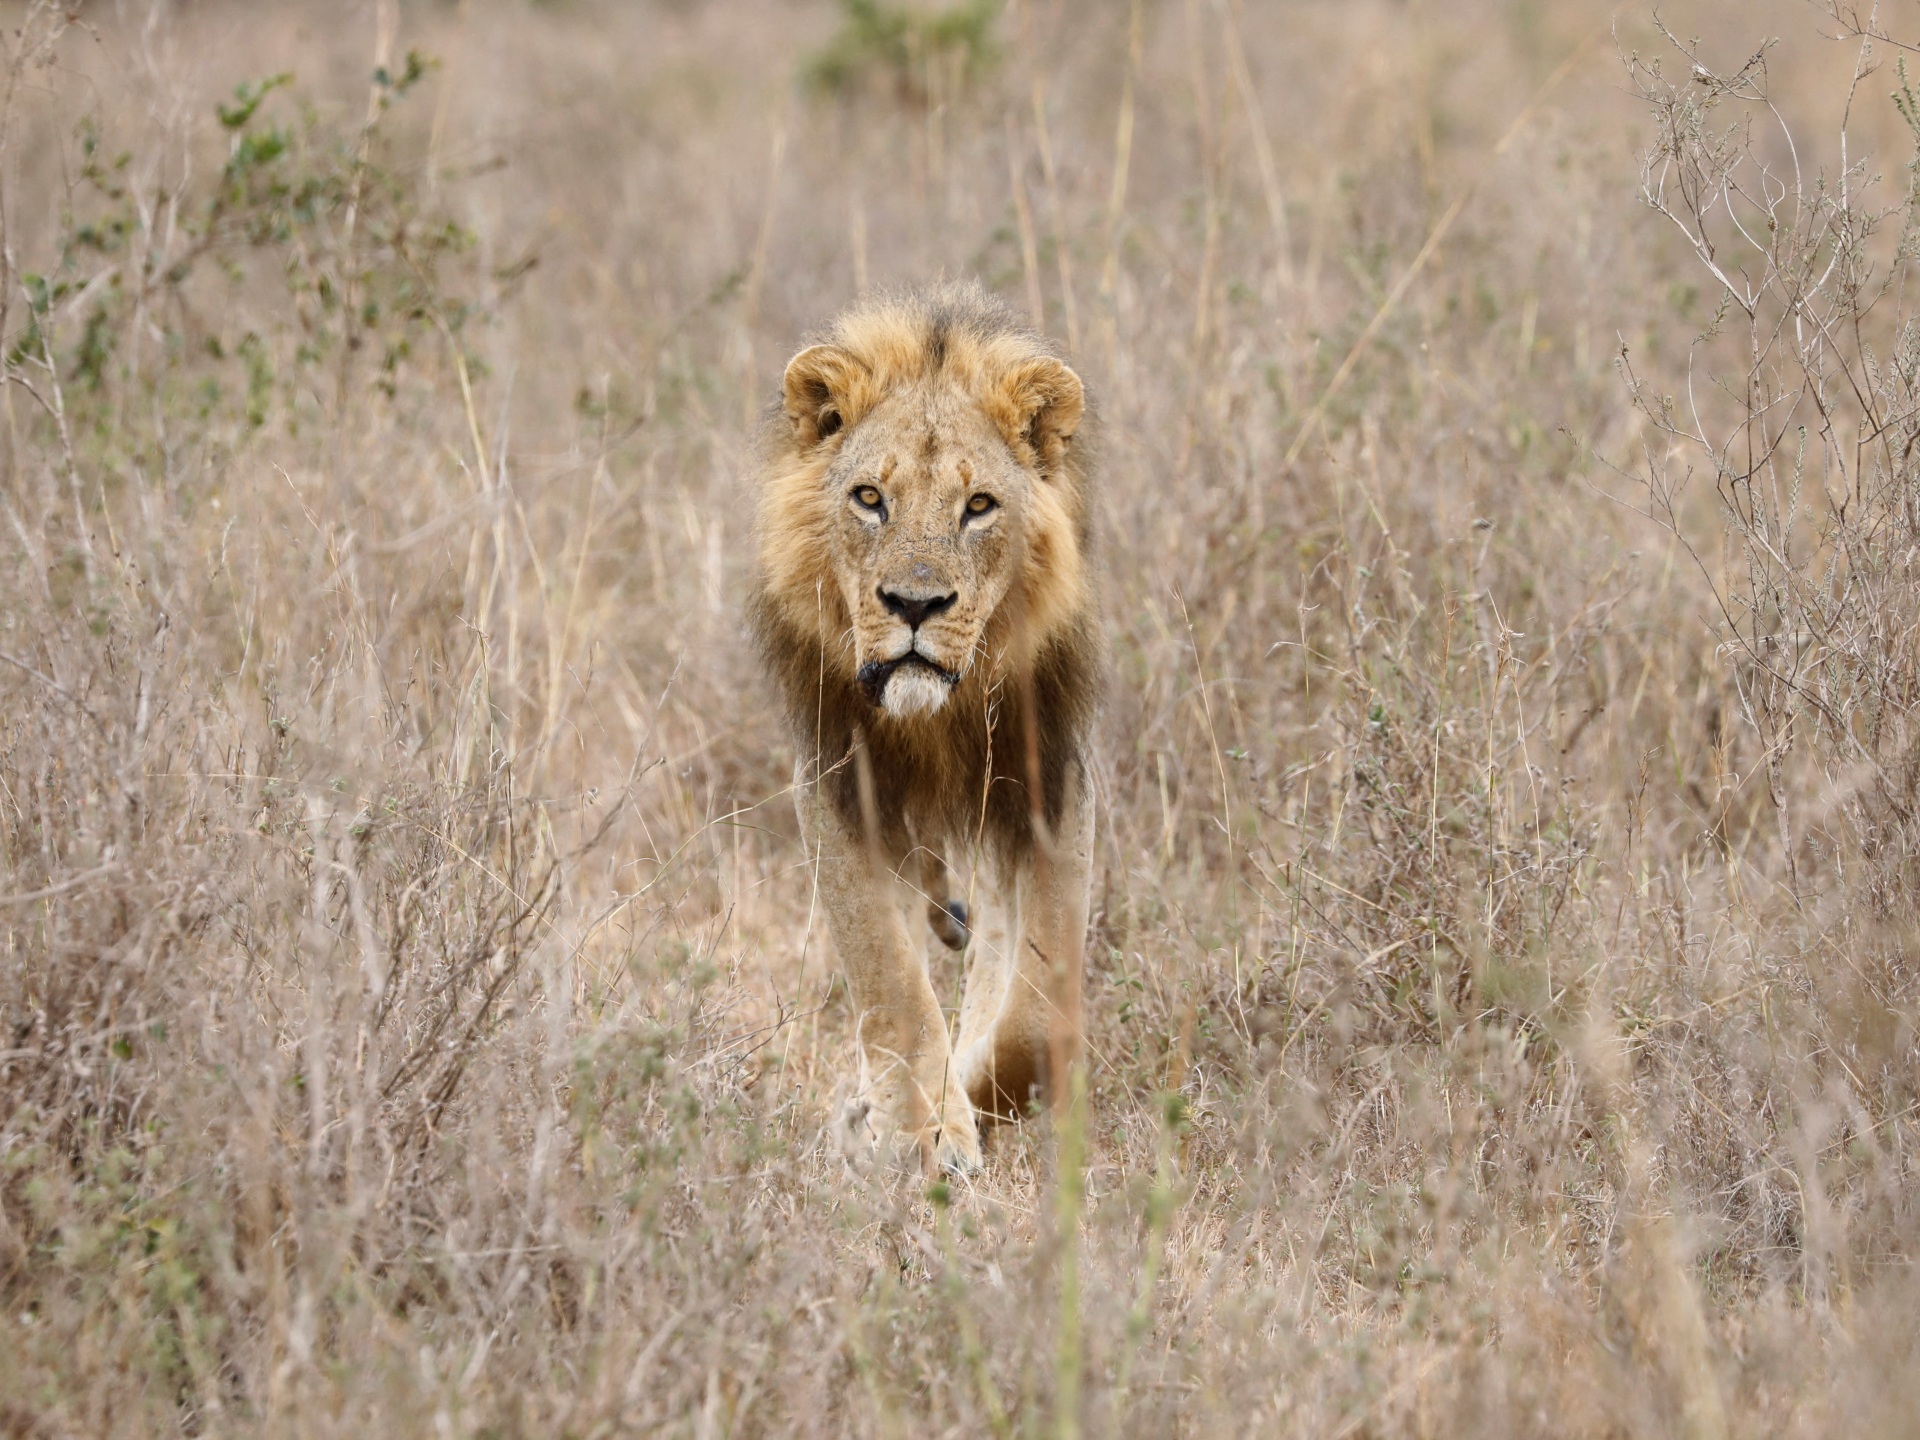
[926, 601]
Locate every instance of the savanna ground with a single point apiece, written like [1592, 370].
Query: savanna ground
[414, 1013]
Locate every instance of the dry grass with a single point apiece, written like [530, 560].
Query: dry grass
[414, 1017]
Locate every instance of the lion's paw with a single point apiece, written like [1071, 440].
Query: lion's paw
[957, 1153]
[853, 1134]
[861, 1134]
[866, 1137]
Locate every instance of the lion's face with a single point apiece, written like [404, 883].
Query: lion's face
[930, 511]
[923, 518]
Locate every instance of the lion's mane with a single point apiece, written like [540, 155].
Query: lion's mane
[1019, 723]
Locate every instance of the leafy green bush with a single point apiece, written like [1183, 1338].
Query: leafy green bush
[911, 52]
[323, 211]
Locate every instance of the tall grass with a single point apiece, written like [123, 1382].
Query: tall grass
[415, 1016]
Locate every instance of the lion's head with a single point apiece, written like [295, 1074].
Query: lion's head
[924, 520]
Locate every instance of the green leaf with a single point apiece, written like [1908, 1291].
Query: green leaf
[247, 99]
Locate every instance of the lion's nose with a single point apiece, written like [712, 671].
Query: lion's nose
[915, 609]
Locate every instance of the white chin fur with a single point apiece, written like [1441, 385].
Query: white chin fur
[913, 690]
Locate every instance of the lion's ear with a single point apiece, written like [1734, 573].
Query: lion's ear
[1040, 403]
[821, 391]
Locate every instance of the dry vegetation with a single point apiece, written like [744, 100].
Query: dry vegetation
[414, 1017]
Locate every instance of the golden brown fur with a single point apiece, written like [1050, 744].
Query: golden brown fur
[926, 602]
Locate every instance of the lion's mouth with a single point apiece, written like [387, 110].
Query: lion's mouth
[875, 674]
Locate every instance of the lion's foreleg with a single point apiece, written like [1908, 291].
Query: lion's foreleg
[906, 1069]
[996, 929]
[1044, 1011]
[1028, 1023]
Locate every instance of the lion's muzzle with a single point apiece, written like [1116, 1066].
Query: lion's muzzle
[908, 684]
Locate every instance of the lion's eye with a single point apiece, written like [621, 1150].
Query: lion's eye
[870, 497]
[981, 504]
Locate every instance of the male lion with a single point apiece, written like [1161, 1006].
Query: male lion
[925, 599]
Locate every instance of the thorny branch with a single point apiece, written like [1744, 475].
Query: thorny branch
[1808, 426]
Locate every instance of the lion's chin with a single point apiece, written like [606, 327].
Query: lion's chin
[914, 690]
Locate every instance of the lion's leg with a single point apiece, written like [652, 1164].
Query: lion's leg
[906, 1070]
[1036, 1022]
[989, 970]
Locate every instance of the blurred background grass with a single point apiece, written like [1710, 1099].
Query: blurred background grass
[414, 1014]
